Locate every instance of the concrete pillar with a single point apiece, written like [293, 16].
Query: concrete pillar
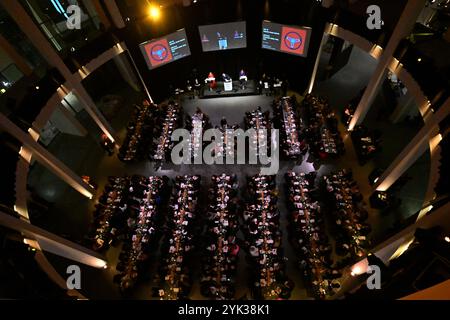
[19, 61]
[414, 150]
[404, 106]
[403, 28]
[319, 53]
[114, 11]
[52, 243]
[24, 21]
[46, 158]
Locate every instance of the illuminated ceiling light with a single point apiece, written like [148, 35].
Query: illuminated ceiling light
[447, 239]
[37, 87]
[154, 12]
[419, 59]
[356, 271]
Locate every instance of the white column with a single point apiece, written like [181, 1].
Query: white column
[46, 158]
[53, 243]
[319, 54]
[414, 150]
[24, 21]
[139, 75]
[404, 26]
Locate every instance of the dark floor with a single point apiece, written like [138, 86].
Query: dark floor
[70, 214]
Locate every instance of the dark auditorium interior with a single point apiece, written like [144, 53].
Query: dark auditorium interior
[225, 150]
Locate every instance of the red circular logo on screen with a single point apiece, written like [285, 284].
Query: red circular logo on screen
[293, 40]
[159, 52]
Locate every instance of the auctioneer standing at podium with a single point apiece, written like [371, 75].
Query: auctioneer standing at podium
[228, 82]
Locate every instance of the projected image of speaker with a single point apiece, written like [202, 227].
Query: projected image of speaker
[223, 36]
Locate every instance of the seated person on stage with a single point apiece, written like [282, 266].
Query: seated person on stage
[226, 77]
[211, 79]
[242, 78]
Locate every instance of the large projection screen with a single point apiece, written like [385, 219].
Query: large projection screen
[172, 47]
[288, 39]
[223, 36]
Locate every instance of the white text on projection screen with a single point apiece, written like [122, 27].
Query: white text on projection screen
[164, 50]
[223, 36]
[287, 39]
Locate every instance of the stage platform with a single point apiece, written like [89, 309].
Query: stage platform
[219, 92]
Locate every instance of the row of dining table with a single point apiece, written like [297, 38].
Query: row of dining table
[143, 227]
[108, 211]
[182, 209]
[263, 235]
[285, 112]
[220, 263]
[349, 213]
[171, 121]
[321, 128]
[260, 122]
[198, 123]
[137, 131]
[309, 235]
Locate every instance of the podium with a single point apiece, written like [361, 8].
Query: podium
[228, 85]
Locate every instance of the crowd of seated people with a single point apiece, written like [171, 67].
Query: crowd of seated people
[139, 137]
[110, 212]
[221, 250]
[286, 119]
[366, 142]
[226, 148]
[171, 120]
[349, 214]
[261, 123]
[308, 235]
[197, 124]
[263, 240]
[174, 272]
[144, 224]
[321, 129]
